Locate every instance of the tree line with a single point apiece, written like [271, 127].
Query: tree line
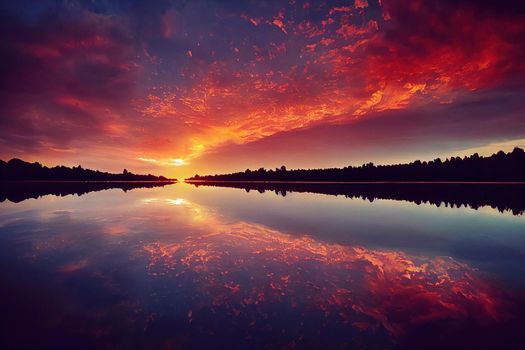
[500, 167]
[19, 170]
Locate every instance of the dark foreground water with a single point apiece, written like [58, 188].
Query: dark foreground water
[179, 267]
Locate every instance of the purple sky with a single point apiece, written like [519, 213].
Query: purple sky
[179, 87]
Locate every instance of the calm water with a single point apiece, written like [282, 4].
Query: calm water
[183, 267]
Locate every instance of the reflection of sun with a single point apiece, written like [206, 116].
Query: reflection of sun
[194, 213]
[177, 201]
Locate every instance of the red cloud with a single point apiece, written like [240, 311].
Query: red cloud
[64, 80]
[177, 87]
[350, 68]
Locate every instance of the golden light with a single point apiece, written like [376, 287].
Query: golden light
[178, 162]
[177, 201]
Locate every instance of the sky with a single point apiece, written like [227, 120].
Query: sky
[185, 87]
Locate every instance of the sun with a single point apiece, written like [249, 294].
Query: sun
[179, 162]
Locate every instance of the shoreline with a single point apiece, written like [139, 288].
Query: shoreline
[88, 181]
[356, 182]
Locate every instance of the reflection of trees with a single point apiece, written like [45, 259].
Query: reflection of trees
[19, 191]
[502, 197]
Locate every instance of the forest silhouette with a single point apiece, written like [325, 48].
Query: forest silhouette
[18, 170]
[499, 167]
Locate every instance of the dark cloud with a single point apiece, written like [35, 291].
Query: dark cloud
[180, 79]
[465, 44]
[61, 75]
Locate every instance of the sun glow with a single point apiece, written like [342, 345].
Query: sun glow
[177, 201]
[178, 162]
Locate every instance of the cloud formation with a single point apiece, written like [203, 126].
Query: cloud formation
[176, 80]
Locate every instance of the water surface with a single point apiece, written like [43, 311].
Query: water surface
[186, 267]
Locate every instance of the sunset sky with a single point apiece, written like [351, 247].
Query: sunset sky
[184, 87]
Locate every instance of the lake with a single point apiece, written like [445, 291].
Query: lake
[183, 266]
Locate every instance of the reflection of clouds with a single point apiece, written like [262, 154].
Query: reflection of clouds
[207, 273]
[63, 212]
[49, 215]
[115, 229]
[245, 267]
[149, 200]
[171, 201]
[73, 266]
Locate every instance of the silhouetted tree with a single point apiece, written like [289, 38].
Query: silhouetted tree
[500, 167]
[17, 170]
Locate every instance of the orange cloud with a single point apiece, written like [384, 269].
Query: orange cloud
[178, 90]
